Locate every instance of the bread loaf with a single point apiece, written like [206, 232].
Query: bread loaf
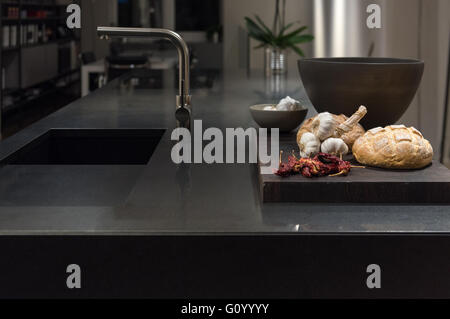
[349, 138]
[395, 147]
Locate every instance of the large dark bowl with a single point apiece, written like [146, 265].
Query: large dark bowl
[386, 86]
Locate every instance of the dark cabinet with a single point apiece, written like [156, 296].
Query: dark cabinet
[39, 64]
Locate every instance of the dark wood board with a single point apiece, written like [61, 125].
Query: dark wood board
[430, 185]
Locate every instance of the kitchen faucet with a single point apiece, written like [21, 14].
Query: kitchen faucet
[183, 101]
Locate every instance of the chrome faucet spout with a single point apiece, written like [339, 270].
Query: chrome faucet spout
[183, 101]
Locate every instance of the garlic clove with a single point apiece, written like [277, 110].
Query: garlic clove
[288, 104]
[335, 146]
[309, 145]
[324, 126]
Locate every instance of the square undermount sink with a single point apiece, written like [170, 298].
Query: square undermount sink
[88, 147]
[77, 167]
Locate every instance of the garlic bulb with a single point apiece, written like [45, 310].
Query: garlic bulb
[335, 146]
[323, 126]
[309, 145]
[288, 104]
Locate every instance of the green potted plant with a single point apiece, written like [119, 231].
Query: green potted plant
[278, 40]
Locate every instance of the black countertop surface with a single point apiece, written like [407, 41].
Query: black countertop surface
[162, 198]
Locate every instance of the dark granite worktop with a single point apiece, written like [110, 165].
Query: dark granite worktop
[161, 198]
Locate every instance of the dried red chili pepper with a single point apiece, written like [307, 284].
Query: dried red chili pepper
[321, 165]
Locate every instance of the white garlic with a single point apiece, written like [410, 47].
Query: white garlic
[323, 126]
[335, 146]
[288, 104]
[309, 145]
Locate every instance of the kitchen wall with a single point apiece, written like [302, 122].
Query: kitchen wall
[435, 34]
[96, 13]
[235, 35]
[421, 29]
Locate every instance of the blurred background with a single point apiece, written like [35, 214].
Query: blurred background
[45, 65]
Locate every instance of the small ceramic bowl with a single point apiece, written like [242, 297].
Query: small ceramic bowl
[286, 121]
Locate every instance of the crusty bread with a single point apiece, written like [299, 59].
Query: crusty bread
[349, 138]
[395, 146]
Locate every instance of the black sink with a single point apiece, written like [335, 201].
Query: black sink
[88, 147]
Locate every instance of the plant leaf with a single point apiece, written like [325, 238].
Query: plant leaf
[268, 32]
[296, 32]
[253, 28]
[285, 28]
[254, 31]
[298, 50]
[300, 39]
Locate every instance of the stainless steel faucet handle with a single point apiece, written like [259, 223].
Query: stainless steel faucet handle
[184, 101]
[183, 107]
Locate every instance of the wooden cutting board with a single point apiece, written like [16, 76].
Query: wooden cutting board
[430, 185]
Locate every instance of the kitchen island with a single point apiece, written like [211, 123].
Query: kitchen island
[198, 230]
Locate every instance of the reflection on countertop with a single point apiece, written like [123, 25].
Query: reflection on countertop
[159, 79]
